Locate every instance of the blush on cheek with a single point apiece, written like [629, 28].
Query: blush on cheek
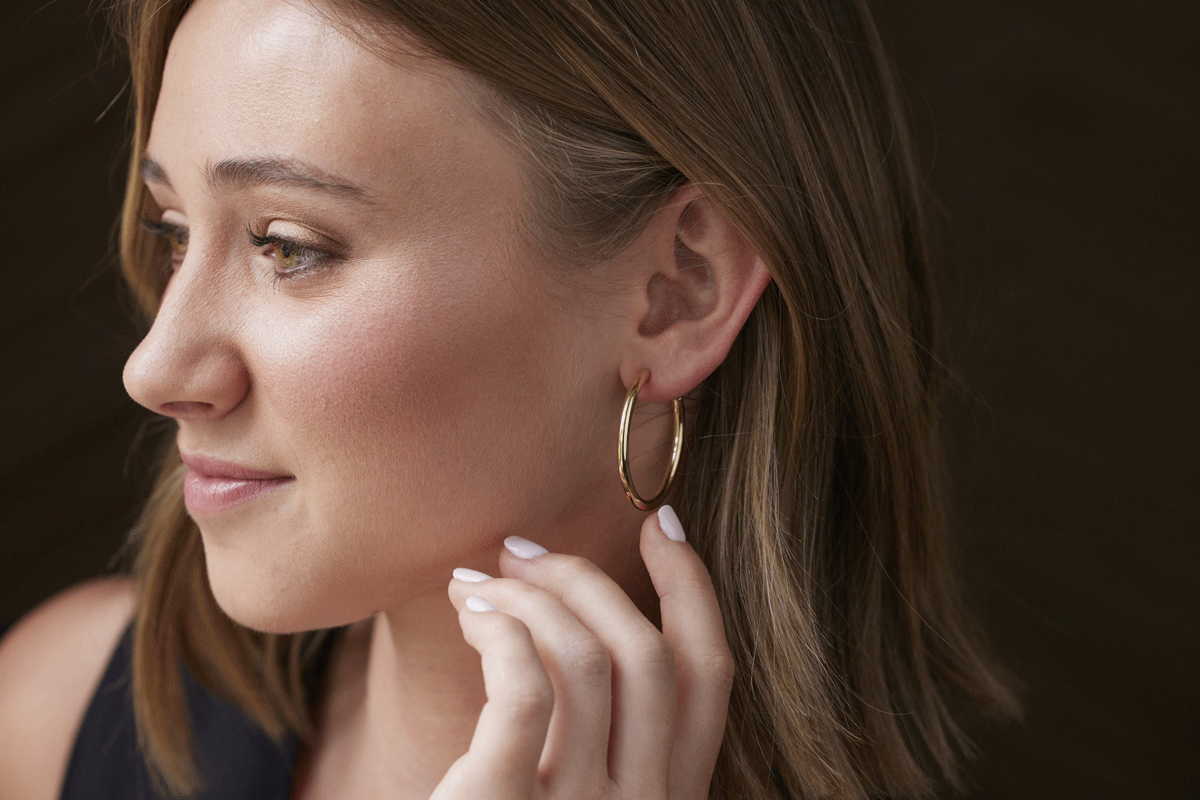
[388, 408]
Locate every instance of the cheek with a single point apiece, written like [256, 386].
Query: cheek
[423, 425]
[402, 392]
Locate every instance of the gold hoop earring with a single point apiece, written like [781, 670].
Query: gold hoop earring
[623, 447]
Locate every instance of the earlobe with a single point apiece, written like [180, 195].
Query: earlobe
[704, 281]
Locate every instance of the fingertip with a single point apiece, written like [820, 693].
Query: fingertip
[477, 603]
[523, 548]
[672, 568]
[661, 532]
[463, 584]
[669, 524]
[470, 575]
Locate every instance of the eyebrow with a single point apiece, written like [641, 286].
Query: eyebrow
[237, 173]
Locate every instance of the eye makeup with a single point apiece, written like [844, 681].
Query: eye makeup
[292, 259]
[176, 237]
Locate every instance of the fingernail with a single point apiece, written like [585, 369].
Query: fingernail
[470, 575]
[669, 522]
[479, 604]
[523, 548]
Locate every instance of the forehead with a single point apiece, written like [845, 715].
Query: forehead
[279, 78]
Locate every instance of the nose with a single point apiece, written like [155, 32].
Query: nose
[189, 366]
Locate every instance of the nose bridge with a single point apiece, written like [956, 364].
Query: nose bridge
[190, 363]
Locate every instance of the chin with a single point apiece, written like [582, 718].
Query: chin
[269, 601]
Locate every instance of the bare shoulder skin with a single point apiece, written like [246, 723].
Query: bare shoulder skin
[50, 665]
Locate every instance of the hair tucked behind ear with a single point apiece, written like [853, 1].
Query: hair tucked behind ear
[813, 482]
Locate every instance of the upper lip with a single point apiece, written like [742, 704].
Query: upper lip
[215, 468]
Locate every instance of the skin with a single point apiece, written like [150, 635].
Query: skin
[428, 361]
[427, 387]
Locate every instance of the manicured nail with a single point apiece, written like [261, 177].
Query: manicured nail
[669, 522]
[470, 575]
[479, 604]
[523, 548]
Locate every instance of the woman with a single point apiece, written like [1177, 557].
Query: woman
[408, 264]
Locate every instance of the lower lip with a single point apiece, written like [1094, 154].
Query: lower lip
[203, 494]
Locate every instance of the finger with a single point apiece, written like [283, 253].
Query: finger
[576, 749]
[643, 690]
[704, 667]
[502, 761]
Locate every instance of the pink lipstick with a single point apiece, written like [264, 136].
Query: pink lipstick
[212, 485]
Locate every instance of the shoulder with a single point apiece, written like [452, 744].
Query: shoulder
[50, 664]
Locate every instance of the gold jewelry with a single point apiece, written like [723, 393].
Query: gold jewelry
[623, 447]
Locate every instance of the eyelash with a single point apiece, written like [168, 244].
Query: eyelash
[315, 259]
[312, 258]
[174, 235]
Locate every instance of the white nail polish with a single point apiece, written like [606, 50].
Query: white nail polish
[669, 522]
[479, 604]
[523, 548]
[470, 575]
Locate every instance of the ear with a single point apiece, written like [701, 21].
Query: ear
[698, 280]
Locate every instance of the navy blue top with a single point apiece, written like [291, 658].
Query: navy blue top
[234, 757]
[236, 760]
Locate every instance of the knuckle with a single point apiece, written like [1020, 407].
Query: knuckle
[652, 651]
[695, 582]
[508, 626]
[529, 699]
[520, 590]
[575, 568]
[688, 586]
[510, 639]
[719, 663]
[588, 659]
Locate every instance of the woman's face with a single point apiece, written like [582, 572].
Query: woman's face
[357, 315]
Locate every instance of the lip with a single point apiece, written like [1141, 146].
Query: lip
[212, 485]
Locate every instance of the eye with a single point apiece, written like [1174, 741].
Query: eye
[292, 258]
[288, 255]
[176, 237]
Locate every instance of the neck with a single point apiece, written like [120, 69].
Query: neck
[402, 697]
[424, 692]
[406, 689]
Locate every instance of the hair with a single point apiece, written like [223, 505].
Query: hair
[813, 482]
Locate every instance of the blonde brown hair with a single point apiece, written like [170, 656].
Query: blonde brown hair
[813, 483]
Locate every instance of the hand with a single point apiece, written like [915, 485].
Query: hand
[586, 699]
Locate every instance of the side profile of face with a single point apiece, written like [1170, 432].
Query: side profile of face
[356, 314]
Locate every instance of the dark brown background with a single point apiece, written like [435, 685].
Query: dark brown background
[1061, 139]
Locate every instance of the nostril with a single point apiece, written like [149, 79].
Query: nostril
[185, 408]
